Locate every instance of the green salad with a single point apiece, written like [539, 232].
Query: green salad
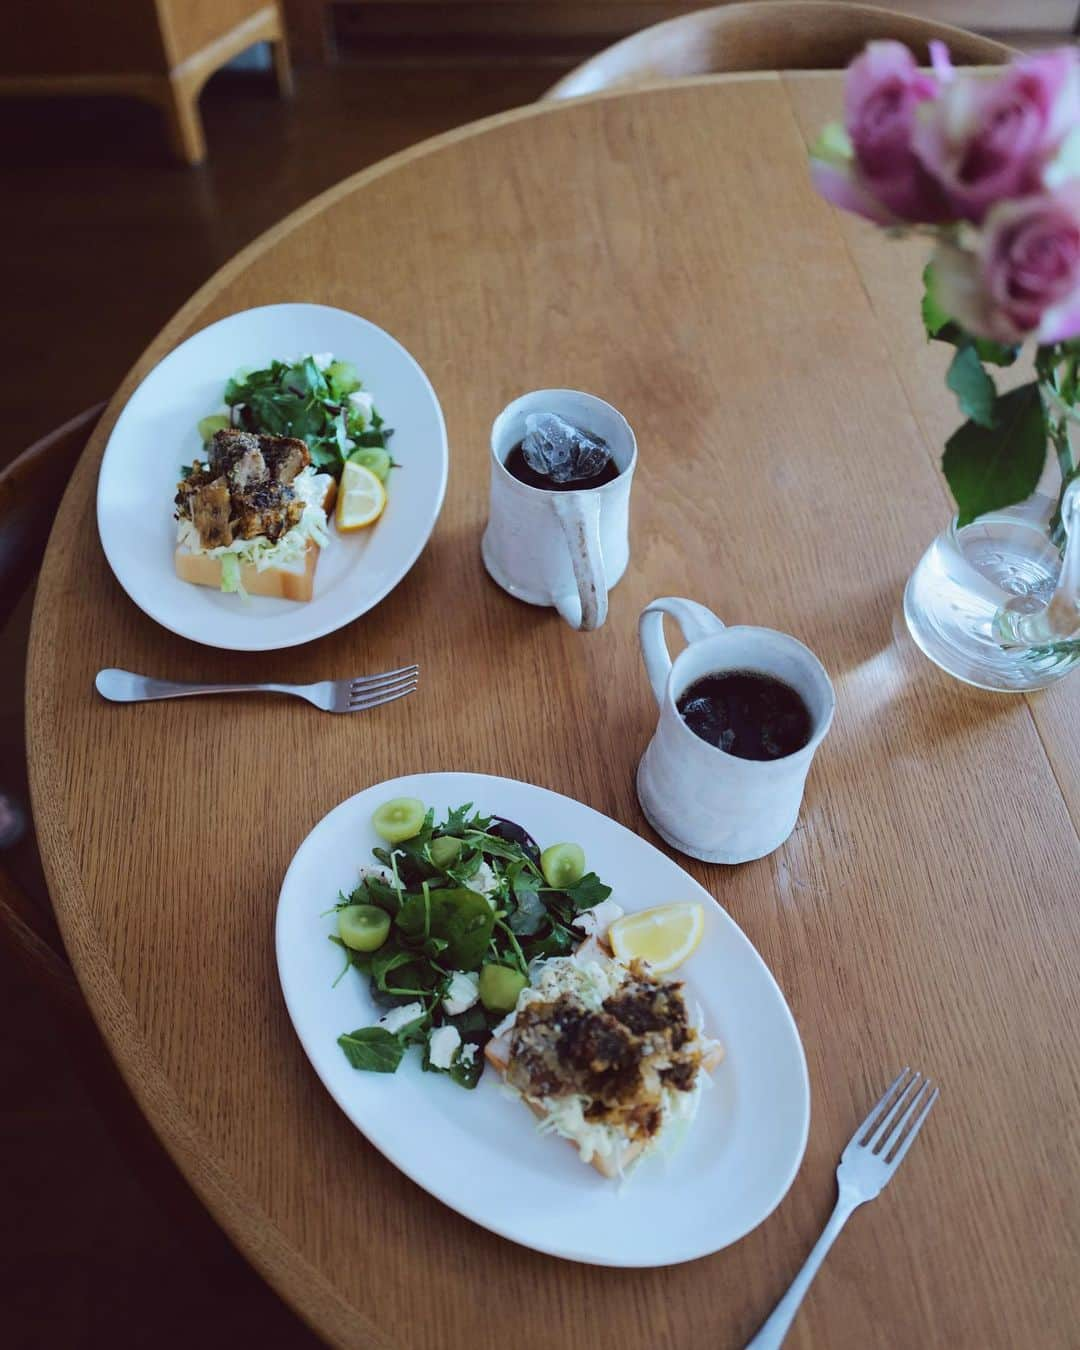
[445, 927]
[318, 400]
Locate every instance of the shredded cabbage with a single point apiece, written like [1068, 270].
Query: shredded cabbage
[230, 573]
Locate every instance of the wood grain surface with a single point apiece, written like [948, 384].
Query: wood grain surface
[664, 250]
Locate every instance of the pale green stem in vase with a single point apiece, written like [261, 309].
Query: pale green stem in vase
[1059, 416]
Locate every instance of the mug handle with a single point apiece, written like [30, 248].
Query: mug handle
[579, 516]
[696, 623]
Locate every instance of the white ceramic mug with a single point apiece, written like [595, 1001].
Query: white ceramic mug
[565, 549]
[705, 802]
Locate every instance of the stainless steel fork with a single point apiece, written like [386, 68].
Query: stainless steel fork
[336, 696]
[876, 1150]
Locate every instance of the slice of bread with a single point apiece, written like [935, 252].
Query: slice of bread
[281, 583]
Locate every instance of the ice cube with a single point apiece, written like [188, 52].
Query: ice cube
[560, 451]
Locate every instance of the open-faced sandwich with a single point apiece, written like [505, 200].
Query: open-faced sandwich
[481, 949]
[253, 516]
[605, 1055]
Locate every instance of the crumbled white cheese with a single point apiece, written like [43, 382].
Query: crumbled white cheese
[362, 403]
[397, 1018]
[442, 1045]
[462, 993]
[379, 874]
[468, 1054]
[596, 921]
[483, 881]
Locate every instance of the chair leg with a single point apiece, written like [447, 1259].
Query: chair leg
[279, 50]
[185, 122]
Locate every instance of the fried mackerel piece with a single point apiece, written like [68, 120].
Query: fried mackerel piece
[244, 490]
[279, 458]
[619, 1058]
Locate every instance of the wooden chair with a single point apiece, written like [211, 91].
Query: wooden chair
[162, 51]
[765, 35]
[30, 490]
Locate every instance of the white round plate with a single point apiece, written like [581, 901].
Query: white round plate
[156, 433]
[491, 1165]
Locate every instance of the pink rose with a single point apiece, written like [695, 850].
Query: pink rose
[990, 138]
[1022, 275]
[876, 173]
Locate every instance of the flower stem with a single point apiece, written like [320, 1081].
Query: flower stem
[1057, 372]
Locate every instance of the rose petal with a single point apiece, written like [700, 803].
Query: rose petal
[838, 184]
[941, 61]
[1062, 322]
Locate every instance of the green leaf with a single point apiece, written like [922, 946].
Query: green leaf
[989, 468]
[589, 891]
[559, 942]
[467, 1075]
[372, 1048]
[934, 317]
[462, 917]
[995, 353]
[529, 913]
[457, 821]
[974, 389]
[942, 327]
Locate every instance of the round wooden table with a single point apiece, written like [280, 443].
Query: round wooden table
[664, 249]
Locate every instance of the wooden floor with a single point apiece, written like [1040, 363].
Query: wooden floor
[103, 238]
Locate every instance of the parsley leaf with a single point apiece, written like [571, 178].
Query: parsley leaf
[372, 1048]
[589, 891]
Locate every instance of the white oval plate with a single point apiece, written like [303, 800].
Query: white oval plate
[156, 433]
[491, 1165]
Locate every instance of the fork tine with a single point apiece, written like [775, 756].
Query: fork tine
[391, 687]
[379, 682]
[902, 1100]
[925, 1102]
[377, 700]
[883, 1101]
[363, 682]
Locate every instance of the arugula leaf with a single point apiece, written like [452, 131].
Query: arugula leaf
[975, 391]
[380, 893]
[988, 468]
[495, 847]
[589, 891]
[529, 913]
[456, 820]
[472, 1021]
[467, 1075]
[372, 1048]
[561, 941]
[386, 960]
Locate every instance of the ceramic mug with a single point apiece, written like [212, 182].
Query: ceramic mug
[704, 801]
[565, 549]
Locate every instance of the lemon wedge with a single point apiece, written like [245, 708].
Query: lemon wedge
[664, 936]
[361, 497]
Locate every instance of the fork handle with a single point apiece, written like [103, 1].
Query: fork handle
[776, 1328]
[124, 686]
